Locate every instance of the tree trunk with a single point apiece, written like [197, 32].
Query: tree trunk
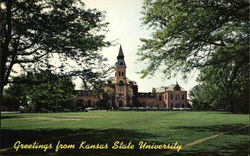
[1, 79]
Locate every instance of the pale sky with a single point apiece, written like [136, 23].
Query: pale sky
[125, 27]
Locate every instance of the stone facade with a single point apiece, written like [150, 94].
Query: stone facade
[123, 89]
[123, 92]
[166, 96]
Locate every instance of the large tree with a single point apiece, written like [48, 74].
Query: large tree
[216, 90]
[197, 34]
[194, 34]
[55, 92]
[61, 35]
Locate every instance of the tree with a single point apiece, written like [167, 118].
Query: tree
[35, 31]
[56, 92]
[194, 34]
[216, 90]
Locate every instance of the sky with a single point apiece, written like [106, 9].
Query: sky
[126, 28]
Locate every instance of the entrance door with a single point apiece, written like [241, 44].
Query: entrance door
[120, 103]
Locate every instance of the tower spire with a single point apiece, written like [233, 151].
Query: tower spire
[120, 54]
[120, 58]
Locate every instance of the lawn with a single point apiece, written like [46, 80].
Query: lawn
[106, 127]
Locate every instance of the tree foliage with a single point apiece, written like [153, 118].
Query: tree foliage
[209, 35]
[61, 35]
[216, 91]
[55, 92]
[194, 34]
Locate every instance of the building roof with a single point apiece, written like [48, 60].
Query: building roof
[146, 95]
[120, 59]
[120, 54]
[82, 93]
[131, 81]
[170, 88]
[112, 80]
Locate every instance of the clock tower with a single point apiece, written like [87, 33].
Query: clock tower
[120, 80]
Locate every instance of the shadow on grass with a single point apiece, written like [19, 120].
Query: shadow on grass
[9, 117]
[233, 149]
[228, 147]
[95, 136]
[91, 136]
[212, 128]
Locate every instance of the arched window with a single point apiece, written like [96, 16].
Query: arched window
[119, 73]
[120, 88]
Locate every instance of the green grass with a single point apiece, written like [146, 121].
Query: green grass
[157, 127]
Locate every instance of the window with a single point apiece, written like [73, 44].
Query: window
[120, 90]
[171, 96]
[175, 97]
[160, 97]
[122, 73]
[182, 96]
[120, 87]
[119, 73]
[79, 93]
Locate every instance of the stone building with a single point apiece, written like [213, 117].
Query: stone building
[85, 99]
[123, 89]
[172, 96]
[123, 92]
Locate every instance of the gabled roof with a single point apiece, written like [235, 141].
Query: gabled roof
[82, 93]
[145, 95]
[169, 88]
